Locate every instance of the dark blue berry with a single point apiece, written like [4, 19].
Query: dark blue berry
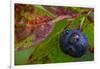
[74, 43]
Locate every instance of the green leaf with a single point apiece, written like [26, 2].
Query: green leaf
[45, 47]
[88, 30]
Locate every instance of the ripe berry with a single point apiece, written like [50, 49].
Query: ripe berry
[74, 43]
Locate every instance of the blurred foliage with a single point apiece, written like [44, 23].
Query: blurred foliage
[48, 51]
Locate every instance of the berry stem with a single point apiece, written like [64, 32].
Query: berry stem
[81, 23]
[83, 19]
